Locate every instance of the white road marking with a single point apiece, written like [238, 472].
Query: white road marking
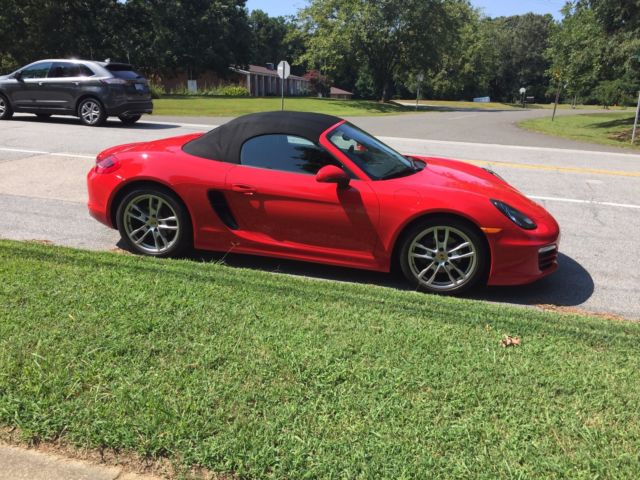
[463, 116]
[588, 202]
[509, 147]
[41, 152]
[178, 124]
[18, 150]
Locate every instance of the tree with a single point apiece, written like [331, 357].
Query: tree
[384, 37]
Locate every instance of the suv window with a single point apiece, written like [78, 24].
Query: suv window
[68, 69]
[39, 70]
[123, 71]
[286, 153]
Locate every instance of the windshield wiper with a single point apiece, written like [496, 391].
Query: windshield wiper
[405, 172]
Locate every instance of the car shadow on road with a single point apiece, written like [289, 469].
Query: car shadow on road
[571, 285]
[110, 123]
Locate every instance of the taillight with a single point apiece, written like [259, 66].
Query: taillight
[107, 165]
[114, 81]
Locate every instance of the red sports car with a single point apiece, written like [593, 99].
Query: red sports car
[316, 188]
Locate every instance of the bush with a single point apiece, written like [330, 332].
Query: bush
[233, 91]
[157, 90]
[221, 91]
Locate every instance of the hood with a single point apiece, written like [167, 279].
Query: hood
[456, 176]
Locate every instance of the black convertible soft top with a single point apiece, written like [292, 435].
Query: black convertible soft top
[224, 143]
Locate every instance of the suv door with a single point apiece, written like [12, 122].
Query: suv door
[24, 94]
[62, 86]
[279, 204]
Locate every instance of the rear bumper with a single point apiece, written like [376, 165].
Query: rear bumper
[100, 188]
[130, 108]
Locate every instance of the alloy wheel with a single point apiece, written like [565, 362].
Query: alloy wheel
[3, 106]
[442, 258]
[90, 111]
[151, 224]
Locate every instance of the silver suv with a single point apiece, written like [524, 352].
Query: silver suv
[90, 90]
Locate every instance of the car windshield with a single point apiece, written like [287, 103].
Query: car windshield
[376, 159]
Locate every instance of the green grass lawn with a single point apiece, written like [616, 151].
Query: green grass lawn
[498, 105]
[603, 128]
[272, 376]
[231, 107]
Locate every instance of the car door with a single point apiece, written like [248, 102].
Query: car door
[59, 90]
[25, 93]
[277, 201]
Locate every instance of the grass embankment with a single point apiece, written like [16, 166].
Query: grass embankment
[459, 104]
[271, 376]
[603, 128]
[231, 107]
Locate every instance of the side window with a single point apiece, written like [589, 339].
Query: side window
[85, 71]
[68, 69]
[39, 70]
[285, 153]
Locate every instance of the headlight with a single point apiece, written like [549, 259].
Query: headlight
[514, 215]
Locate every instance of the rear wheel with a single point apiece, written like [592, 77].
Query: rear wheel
[153, 221]
[444, 255]
[5, 108]
[129, 119]
[91, 112]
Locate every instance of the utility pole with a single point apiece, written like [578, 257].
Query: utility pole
[635, 123]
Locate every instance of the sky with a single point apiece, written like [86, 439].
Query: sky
[492, 8]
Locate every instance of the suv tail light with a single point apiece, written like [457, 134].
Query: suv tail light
[107, 165]
[114, 81]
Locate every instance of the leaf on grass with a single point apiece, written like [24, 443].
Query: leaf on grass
[509, 341]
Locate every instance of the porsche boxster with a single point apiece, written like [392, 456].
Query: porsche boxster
[316, 188]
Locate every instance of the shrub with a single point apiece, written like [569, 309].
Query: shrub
[234, 91]
[157, 90]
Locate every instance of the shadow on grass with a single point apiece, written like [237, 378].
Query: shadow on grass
[551, 290]
[620, 122]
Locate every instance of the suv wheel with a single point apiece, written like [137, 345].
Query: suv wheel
[91, 112]
[5, 108]
[129, 119]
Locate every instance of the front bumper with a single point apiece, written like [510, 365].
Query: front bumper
[522, 261]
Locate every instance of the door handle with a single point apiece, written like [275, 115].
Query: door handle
[77, 84]
[242, 188]
[40, 83]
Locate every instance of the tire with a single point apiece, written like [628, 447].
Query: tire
[6, 112]
[43, 116]
[444, 255]
[91, 112]
[140, 219]
[129, 120]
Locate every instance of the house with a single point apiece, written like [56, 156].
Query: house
[339, 93]
[264, 81]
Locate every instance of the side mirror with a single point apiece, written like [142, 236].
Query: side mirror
[18, 76]
[333, 174]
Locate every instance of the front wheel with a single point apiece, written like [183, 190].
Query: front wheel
[5, 109]
[91, 112]
[153, 221]
[129, 119]
[444, 255]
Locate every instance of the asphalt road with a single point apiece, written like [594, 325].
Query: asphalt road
[593, 191]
